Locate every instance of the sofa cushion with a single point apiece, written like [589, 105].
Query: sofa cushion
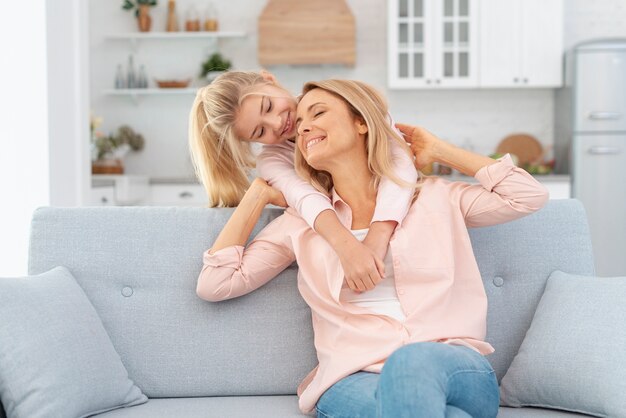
[266, 407]
[56, 359]
[219, 406]
[574, 354]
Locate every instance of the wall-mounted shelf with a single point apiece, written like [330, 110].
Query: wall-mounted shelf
[135, 93]
[175, 35]
[140, 92]
[135, 37]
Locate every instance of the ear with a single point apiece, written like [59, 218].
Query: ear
[361, 126]
[267, 76]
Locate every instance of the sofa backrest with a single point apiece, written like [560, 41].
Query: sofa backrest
[139, 266]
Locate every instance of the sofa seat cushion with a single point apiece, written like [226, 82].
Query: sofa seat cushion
[266, 407]
[220, 406]
[506, 412]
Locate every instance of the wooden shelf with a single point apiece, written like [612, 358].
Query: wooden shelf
[150, 91]
[174, 35]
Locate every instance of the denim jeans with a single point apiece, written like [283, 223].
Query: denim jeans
[430, 380]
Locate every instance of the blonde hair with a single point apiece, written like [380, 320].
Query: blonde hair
[366, 103]
[220, 159]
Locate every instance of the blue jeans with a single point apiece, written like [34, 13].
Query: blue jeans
[430, 380]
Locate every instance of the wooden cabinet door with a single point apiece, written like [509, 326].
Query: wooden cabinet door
[456, 43]
[542, 43]
[521, 43]
[432, 43]
[410, 43]
[500, 29]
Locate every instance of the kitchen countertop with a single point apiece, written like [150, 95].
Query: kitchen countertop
[98, 181]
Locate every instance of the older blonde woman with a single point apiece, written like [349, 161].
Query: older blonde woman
[414, 345]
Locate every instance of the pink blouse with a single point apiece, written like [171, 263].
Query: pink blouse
[436, 276]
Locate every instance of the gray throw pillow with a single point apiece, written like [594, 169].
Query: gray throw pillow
[56, 358]
[574, 354]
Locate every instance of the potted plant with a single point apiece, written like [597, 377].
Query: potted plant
[110, 150]
[214, 66]
[142, 12]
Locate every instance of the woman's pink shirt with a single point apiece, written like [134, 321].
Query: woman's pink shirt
[437, 278]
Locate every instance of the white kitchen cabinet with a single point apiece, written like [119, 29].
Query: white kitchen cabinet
[558, 189]
[521, 43]
[102, 196]
[432, 43]
[178, 195]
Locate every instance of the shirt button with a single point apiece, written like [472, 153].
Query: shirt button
[127, 291]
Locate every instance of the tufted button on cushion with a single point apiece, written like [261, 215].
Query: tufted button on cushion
[127, 291]
[498, 281]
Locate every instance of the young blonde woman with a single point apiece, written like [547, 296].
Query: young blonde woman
[413, 346]
[239, 108]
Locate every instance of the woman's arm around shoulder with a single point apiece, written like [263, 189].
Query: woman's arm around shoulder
[362, 269]
[505, 192]
[229, 269]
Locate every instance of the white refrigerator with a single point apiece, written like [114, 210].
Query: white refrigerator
[599, 147]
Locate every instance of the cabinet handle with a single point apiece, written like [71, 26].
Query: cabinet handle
[428, 81]
[185, 195]
[104, 199]
[438, 81]
[604, 115]
[526, 80]
[604, 150]
[515, 80]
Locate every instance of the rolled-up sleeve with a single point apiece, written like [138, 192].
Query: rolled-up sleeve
[235, 271]
[275, 164]
[393, 200]
[505, 193]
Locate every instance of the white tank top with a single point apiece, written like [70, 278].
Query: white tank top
[382, 299]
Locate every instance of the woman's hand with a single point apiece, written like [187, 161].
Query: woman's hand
[429, 149]
[272, 195]
[239, 227]
[362, 268]
[424, 145]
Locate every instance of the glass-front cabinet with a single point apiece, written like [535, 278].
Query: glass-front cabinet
[432, 43]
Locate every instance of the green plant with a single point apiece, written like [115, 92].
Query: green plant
[216, 62]
[130, 5]
[125, 137]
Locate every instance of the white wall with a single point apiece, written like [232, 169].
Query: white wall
[24, 167]
[68, 101]
[482, 116]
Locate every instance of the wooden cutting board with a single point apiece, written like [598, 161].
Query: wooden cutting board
[526, 147]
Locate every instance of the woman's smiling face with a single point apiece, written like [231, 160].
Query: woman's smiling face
[326, 128]
[266, 115]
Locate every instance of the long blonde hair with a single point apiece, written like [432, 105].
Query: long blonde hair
[366, 103]
[220, 159]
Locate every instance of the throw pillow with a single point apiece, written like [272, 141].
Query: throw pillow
[56, 358]
[573, 356]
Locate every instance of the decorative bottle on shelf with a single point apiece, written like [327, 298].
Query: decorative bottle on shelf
[210, 18]
[172, 19]
[130, 74]
[142, 79]
[120, 80]
[192, 21]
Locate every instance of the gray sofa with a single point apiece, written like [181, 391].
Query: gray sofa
[245, 357]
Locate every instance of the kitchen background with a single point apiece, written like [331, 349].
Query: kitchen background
[87, 41]
[465, 116]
